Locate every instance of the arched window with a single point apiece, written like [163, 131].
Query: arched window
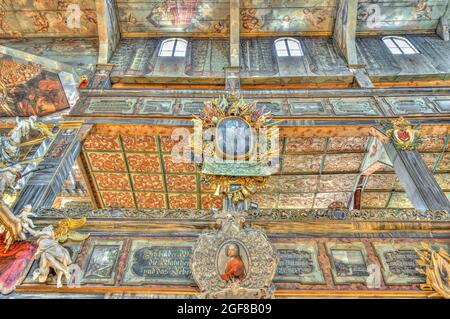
[288, 47]
[173, 47]
[399, 45]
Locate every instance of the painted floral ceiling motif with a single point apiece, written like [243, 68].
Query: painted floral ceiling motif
[138, 172]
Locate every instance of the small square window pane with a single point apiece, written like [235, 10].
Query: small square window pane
[280, 45]
[395, 51]
[282, 53]
[296, 53]
[389, 43]
[408, 51]
[403, 46]
[168, 46]
[181, 46]
[165, 53]
[293, 45]
[179, 53]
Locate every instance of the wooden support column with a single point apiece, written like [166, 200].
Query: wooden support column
[361, 78]
[108, 29]
[375, 159]
[417, 179]
[45, 184]
[101, 78]
[345, 30]
[442, 29]
[234, 33]
[232, 77]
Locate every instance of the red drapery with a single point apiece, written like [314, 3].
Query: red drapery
[15, 263]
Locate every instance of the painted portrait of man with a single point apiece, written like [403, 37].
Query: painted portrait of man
[235, 266]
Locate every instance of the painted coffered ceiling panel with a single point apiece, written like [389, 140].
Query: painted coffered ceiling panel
[44, 18]
[138, 171]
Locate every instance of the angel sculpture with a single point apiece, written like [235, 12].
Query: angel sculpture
[10, 145]
[51, 253]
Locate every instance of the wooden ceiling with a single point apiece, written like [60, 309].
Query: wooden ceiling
[137, 171]
[43, 18]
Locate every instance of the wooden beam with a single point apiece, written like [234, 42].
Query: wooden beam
[417, 179]
[67, 74]
[46, 63]
[345, 30]
[108, 29]
[232, 75]
[442, 29]
[234, 33]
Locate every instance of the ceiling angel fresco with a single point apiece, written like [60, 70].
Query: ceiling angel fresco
[27, 89]
[41, 18]
[141, 16]
[395, 15]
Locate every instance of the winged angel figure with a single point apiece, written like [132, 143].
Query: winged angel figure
[50, 252]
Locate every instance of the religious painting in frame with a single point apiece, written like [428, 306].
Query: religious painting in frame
[298, 263]
[398, 262]
[349, 262]
[158, 262]
[29, 90]
[101, 262]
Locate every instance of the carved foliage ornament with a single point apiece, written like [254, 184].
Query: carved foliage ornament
[211, 267]
[403, 134]
[437, 270]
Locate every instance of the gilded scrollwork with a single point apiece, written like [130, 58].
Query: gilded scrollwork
[436, 268]
[262, 214]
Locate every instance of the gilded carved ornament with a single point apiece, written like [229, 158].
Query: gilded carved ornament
[237, 145]
[403, 134]
[437, 270]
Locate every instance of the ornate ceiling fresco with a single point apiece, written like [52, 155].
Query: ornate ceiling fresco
[137, 171]
[43, 18]
[400, 15]
[78, 18]
[140, 17]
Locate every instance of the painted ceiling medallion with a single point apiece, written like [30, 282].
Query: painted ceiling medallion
[237, 146]
[404, 134]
